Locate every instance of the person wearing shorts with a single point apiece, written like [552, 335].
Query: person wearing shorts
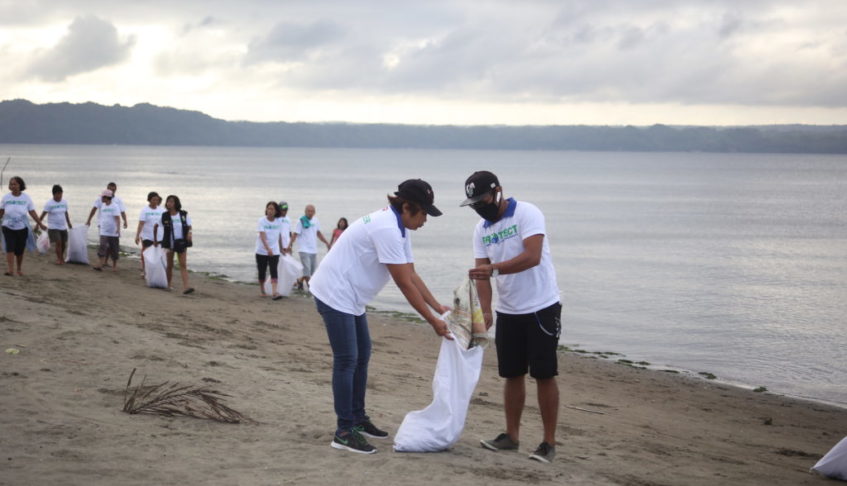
[58, 222]
[109, 222]
[149, 216]
[510, 245]
[14, 208]
[308, 232]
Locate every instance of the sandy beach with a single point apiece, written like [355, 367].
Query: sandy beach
[79, 334]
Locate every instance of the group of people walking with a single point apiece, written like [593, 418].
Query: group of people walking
[509, 246]
[169, 227]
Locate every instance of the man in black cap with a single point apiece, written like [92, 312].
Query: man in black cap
[509, 244]
[375, 248]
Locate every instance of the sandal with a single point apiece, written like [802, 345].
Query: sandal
[188, 291]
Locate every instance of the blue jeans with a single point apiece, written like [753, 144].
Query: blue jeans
[351, 351]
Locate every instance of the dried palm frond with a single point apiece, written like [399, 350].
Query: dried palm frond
[173, 399]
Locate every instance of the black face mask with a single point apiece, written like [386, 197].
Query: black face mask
[489, 212]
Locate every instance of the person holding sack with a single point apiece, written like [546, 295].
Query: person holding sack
[176, 238]
[376, 248]
[14, 208]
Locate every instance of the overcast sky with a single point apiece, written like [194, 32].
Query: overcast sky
[599, 62]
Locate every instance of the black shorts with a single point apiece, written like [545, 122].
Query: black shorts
[529, 341]
[57, 235]
[145, 244]
[15, 240]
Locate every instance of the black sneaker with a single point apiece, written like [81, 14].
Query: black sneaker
[502, 443]
[368, 429]
[544, 453]
[352, 441]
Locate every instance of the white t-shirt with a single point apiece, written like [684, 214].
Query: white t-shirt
[150, 217]
[355, 270]
[272, 231]
[56, 214]
[177, 226]
[17, 208]
[285, 230]
[108, 225]
[307, 238]
[528, 291]
[115, 200]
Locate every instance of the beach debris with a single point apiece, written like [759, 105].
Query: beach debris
[466, 321]
[585, 410]
[175, 400]
[12, 351]
[760, 389]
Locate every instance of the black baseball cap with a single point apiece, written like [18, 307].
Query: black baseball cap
[478, 185]
[283, 206]
[418, 191]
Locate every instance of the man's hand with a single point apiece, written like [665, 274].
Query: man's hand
[440, 328]
[481, 272]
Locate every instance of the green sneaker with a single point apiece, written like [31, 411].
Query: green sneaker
[352, 440]
[502, 443]
[368, 429]
[544, 453]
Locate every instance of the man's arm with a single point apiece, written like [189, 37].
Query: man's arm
[321, 237]
[123, 215]
[403, 275]
[426, 294]
[528, 258]
[483, 290]
[91, 215]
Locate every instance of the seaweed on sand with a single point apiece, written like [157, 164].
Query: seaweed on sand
[173, 400]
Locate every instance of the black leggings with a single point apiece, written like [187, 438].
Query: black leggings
[262, 261]
[15, 240]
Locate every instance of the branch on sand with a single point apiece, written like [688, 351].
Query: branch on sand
[175, 400]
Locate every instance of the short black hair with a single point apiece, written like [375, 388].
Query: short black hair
[152, 194]
[57, 188]
[20, 182]
[177, 204]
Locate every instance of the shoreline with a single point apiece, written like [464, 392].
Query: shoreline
[79, 334]
[133, 253]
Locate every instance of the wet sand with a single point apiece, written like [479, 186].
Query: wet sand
[80, 333]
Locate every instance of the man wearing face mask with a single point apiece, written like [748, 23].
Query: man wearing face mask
[509, 245]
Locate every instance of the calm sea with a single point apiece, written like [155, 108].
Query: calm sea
[733, 264]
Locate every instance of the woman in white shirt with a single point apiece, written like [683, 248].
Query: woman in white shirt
[13, 210]
[268, 244]
[176, 238]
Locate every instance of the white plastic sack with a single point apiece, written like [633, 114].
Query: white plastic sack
[289, 270]
[155, 267]
[43, 243]
[439, 426]
[834, 463]
[78, 245]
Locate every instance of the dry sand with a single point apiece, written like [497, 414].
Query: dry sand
[80, 333]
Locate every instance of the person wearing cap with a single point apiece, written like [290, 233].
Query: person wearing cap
[308, 231]
[58, 222]
[510, 246]
[374, 249]
[286, 228]
[115, 200]
[110, 231]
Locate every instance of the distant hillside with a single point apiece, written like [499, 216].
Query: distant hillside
[24, 122]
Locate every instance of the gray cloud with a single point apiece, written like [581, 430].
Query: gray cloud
[288, 41]
[91, 43]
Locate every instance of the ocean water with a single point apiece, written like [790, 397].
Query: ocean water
[733, 264]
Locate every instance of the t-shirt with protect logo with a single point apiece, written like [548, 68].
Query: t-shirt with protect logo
[532, 289]
[16, 209]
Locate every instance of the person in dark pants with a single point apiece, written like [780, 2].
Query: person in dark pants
[268, 244]
[374, 249]
[510, 245]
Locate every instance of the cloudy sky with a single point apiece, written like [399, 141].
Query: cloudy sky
[515, 62]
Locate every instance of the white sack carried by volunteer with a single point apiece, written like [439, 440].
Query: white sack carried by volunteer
[439, 426]
[155, 267]
[288, 270]
[77, 245]
[834, 464]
